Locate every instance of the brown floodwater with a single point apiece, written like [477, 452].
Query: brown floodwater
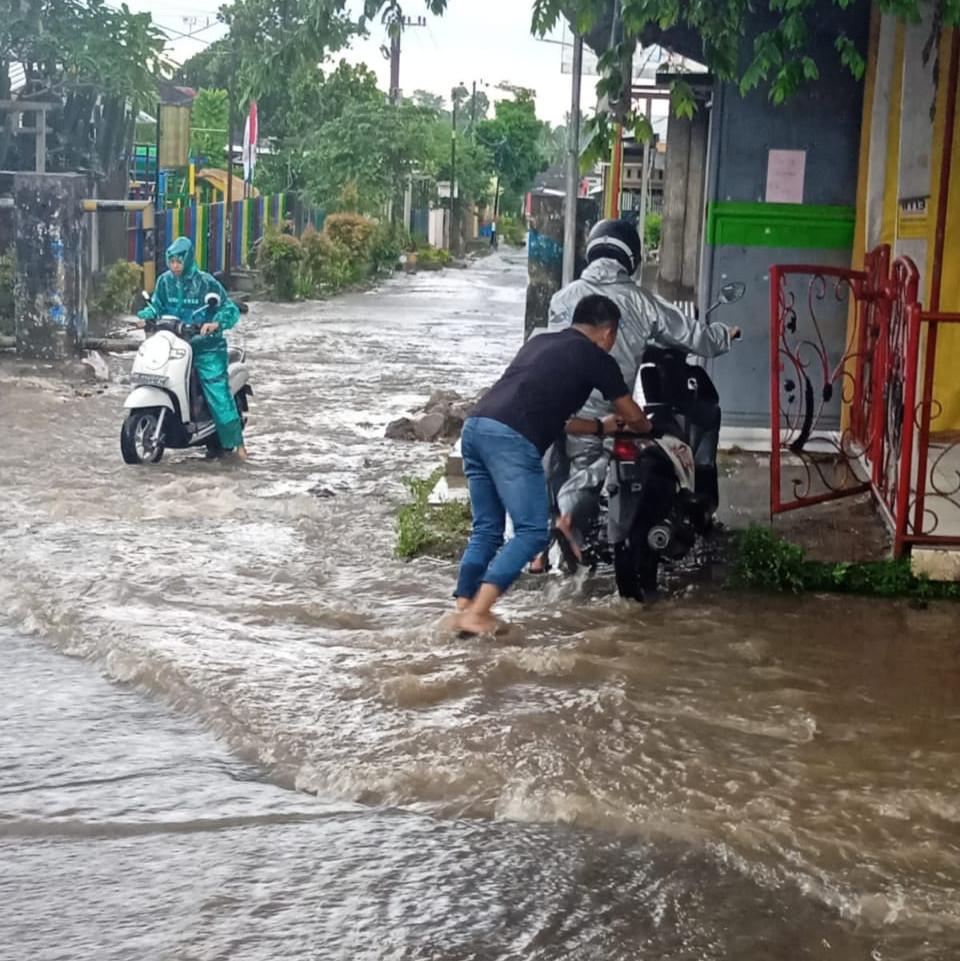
[231, 727]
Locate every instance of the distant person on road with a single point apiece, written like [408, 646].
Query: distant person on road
[506, 436]
[493, 234]
[180, 292]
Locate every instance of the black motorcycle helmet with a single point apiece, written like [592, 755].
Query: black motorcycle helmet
[617, 239]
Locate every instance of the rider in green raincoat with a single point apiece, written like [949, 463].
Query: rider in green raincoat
[180, 292]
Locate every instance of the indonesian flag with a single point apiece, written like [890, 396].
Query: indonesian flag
[249, 154]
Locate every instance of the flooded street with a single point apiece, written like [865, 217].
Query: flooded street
[261, 746]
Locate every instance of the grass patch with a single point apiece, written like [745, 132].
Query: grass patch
[764, 562]
[438, 530]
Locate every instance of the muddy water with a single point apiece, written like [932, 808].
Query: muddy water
[261, 746]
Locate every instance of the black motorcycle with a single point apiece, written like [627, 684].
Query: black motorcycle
[660, 491]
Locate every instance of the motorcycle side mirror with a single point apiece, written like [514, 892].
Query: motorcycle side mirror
[731, 293]
[212, 300]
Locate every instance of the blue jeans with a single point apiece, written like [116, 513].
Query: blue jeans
[505, 476]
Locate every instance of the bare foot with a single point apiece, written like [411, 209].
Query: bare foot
[565, 526]
[241, 452]
[477, 623]
[539, 564]
[463, 603]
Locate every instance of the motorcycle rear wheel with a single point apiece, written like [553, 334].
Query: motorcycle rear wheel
[135, 434]
[635, 566]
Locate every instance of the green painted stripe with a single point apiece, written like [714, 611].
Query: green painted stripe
[780, 225]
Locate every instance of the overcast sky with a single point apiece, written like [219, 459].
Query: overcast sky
[486, 41]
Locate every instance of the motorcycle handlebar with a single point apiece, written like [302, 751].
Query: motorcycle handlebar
[177, 327]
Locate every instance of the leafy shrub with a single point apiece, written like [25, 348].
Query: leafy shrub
[652, 230]
[511, 230]
[441, 530]
[278, 259]
[8, 278]
[766, 562]
[354, 232]
[389, 242]
[433, 258]
[327, 264]
[116, 290]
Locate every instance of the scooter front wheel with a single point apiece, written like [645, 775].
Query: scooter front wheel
[136, 437]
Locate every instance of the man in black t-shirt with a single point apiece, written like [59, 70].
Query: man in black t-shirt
[507, 435]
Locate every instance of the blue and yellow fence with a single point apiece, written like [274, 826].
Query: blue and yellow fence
[206, 226]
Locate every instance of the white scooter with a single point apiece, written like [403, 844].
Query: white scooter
[166, 404]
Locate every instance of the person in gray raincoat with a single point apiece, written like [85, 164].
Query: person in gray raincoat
[576, 471]
[180, 291]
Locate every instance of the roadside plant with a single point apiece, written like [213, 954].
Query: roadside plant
[8, 277]
[765, 562]
[651, 231]
[433, 258]
[354, 232]
[327, 264]
[278, 258]
[389, 242]
[438, 530]
[115, 290]
[511, 230]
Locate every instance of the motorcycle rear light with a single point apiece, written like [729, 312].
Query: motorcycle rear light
[625, 448]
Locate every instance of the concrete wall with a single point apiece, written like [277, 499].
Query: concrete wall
[51, 245]
[823, 119]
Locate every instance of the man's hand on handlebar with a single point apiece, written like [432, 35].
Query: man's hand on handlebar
[210, 327]
[629, 415]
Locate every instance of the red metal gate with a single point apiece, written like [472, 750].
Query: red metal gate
[848, 421]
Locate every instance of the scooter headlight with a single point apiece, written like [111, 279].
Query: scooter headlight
[155, 352]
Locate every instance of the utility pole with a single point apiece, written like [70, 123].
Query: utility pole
[228, 213]
[395, 63]
[453, 176]
[397, 24]
[644, 190]
[573, 165]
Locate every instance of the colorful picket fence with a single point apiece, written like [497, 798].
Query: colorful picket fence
[205, 225]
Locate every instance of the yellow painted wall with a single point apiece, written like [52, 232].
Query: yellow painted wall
[891, 192]
[915, 234]
[946, 387]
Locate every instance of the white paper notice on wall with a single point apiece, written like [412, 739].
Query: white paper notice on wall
[785, 173]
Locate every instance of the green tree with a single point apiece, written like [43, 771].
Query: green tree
[275, 40]
[432, 101]
[474, 163]
[294, 115]
[514, 138]
[98, 61]
[209, 117]
[373, 145]
[553, 145]
[211, 69]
